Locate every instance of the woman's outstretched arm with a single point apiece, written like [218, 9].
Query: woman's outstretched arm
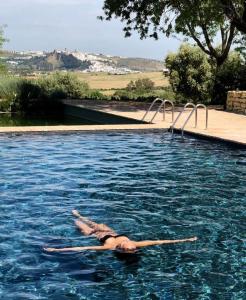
[161, 242]
[77, 248]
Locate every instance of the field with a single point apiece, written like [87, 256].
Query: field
[110, 83]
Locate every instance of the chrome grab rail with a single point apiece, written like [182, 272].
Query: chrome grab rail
[164, 109]
[163, 103]
[179, 115]
[152, 104]
[205, 107]
[187, 120]
[195, 108]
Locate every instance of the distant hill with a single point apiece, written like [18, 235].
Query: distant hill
[139, 64]
[58, 61]
[35, 61]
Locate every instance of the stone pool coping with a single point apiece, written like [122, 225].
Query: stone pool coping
[223, 126]
[80, 128]
[110, 128]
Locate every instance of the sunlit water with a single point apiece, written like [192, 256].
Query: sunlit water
[144, 185]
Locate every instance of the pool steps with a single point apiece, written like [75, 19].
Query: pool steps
[174, 122]
[194, 110]
[163, 104]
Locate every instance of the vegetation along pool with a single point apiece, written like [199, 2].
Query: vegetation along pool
[144, 185]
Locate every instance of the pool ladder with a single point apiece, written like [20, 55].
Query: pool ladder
[163, 104]
[194, 110]
[174, 122]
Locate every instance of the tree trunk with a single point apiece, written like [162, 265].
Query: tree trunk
[217, 97]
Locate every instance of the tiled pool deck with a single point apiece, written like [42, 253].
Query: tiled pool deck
[222, 125]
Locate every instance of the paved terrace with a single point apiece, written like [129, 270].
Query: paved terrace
[221, 125]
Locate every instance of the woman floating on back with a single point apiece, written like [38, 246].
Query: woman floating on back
[110, 239]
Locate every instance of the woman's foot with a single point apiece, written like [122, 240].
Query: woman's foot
[75, 213]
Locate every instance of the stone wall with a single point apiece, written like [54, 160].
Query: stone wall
[236, 102]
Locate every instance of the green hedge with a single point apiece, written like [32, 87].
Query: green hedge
[42, 95]
[124, 95]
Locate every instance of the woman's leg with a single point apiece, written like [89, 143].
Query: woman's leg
[93, 225]
[85, 229]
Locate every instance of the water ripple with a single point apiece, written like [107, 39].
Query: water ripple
[144, 185]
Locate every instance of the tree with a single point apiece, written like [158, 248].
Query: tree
[200, 20]
[193, 77]
[191, 74]
[2, 40]
[230, 77]
[141, 85]
[241, 46]
[235, 10]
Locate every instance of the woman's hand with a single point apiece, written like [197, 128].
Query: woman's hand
[50, 249]
[193, 239]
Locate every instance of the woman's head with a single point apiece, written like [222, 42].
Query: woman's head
[127, 246]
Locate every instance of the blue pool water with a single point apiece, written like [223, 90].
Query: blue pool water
[145, 185]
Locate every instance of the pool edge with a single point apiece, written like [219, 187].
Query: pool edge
[112, 128]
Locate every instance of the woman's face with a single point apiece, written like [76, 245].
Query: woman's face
[127, 246]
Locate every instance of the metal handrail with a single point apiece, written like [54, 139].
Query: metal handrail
[152, 104]
[164, 109]
[205, 107]
[179, 115]
[163, 103]
[157, 111]
[187, 120]
[195, 109]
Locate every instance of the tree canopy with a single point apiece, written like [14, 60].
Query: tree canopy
[235, 10]
[2, 40]
[191, 74]
[200, 20]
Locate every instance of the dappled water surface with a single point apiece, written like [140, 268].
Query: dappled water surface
[145, 185]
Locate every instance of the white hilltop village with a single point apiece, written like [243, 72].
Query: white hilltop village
[97, 62]
[82, 62]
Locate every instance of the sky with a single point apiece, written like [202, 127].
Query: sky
[73, 24]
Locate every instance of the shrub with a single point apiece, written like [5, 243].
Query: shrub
[94, 95]
[124, 95]
[31, 98]
[231, 76]
[3, 69]
[62, 85]
[140, 85]
[42, 95]
[191, 75]
[8, 91]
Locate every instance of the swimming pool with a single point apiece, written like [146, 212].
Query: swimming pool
[141, 184]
